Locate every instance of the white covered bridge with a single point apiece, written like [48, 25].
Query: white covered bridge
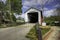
[33, 15]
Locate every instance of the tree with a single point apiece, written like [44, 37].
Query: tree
[52, 19]
[1, 11]
[58, 11]
[16, 6]
[13, 6]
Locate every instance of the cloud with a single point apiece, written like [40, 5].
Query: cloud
[33, 3]
[41, 2]
[4, 1]
[36, 3]
[44, 9]
[49, 1]
[25, 7]
[58, 5]
[29, 3]
[49, 12]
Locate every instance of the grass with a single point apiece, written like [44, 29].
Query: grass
[32, 33]
[45, 30]
[11, 24]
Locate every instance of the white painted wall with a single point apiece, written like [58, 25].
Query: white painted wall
[33, 10]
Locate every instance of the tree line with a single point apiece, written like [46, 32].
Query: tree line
[8, 9]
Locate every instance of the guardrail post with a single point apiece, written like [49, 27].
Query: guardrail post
[38, 31]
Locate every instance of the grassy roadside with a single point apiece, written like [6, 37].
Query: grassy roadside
[32, 33]
[11, 24]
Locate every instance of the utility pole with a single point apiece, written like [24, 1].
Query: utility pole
[43, 2]
[38, 32]
[38, 29]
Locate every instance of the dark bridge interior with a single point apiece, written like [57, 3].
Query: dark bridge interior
[33, 17]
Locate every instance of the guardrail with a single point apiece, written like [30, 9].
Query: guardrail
[38, 31]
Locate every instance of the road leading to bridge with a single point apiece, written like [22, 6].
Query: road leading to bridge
[15, 33]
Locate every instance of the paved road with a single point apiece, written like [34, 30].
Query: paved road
[54, 34]
[58, 36]
[15, 33]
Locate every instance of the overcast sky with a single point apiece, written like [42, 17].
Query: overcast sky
[49, 5]
[3, 0]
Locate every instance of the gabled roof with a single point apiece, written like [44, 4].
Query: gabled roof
[32, 8]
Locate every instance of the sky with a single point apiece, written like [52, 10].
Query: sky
[3, 0]
[48, 5]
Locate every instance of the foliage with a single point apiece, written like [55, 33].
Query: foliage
[14, 18]
[1, 11]
[15, 5]
[58, 11]
[56, 17]
[33, 35]
[44, 30]
[1, 6]
[10, 7]
[52, 19]
[11, 25]
[7, 15]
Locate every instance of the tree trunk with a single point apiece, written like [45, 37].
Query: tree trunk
[1, 17]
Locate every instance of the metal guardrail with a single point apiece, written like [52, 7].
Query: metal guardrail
[38, 31]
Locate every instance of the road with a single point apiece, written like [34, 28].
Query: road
[15, 33]
[54, 35]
